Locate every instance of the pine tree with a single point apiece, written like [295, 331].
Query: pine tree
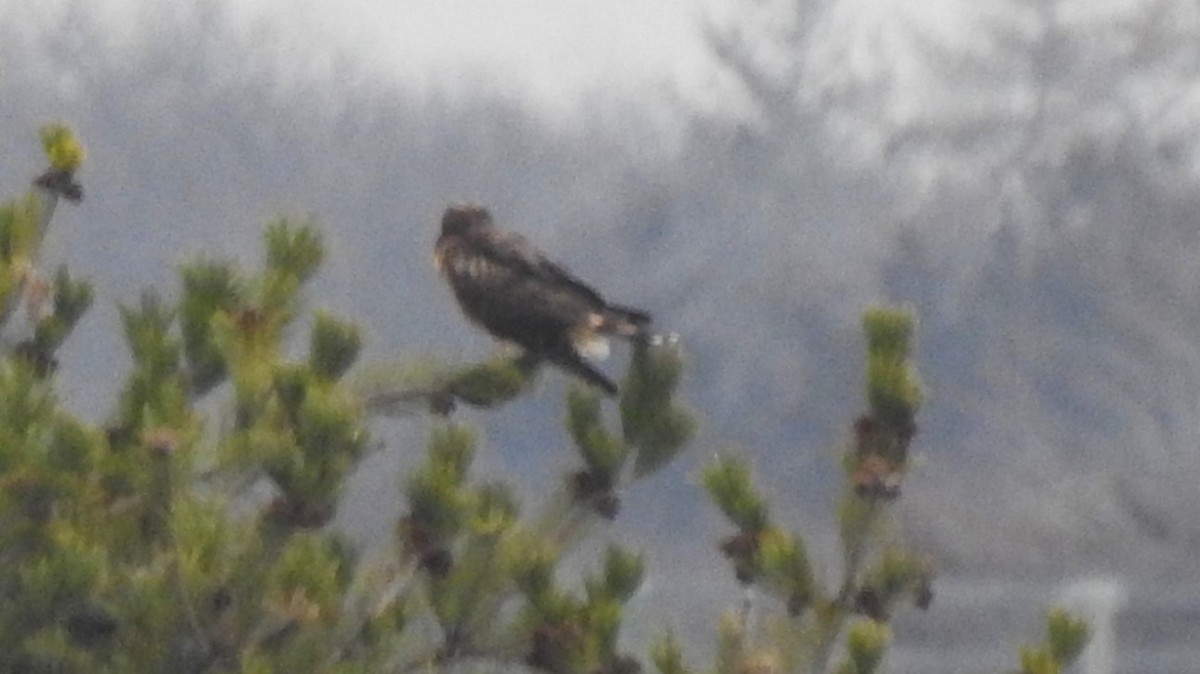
[138, 544]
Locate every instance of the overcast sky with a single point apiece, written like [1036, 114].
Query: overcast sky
[555, 58]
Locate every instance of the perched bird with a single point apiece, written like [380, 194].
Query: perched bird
[507, 286]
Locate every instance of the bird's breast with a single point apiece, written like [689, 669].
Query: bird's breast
[459, 265]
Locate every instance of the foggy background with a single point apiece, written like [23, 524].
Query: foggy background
[1025, 174]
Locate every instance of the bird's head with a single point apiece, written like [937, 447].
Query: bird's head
[461, 218]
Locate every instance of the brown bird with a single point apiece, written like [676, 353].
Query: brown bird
[507, 286]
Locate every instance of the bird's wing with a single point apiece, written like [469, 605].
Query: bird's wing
[513, 250]
[510, 296]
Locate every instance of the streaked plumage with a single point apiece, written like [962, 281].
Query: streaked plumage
[512, 290]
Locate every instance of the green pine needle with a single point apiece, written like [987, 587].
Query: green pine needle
[1066, 635]
[728, 482]
[603, 452]
[294, 249]
[866, 643]
[889, 332]
[491, 382]
[62, 147]
[668, 656]
[533, 573]
[209, 288]
[785, 562]
[496, 508]
[1038, 661]
[333, 346]
[623, 573]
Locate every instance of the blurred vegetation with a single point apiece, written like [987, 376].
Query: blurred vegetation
[143, 543]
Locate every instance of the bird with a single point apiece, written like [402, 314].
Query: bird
[508, 287]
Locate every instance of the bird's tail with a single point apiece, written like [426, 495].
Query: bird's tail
[625, 322]
[574, 363]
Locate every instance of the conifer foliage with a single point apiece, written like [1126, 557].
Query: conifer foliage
[144, 543]
[878, 574]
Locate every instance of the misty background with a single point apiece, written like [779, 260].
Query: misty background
[1025, 174]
